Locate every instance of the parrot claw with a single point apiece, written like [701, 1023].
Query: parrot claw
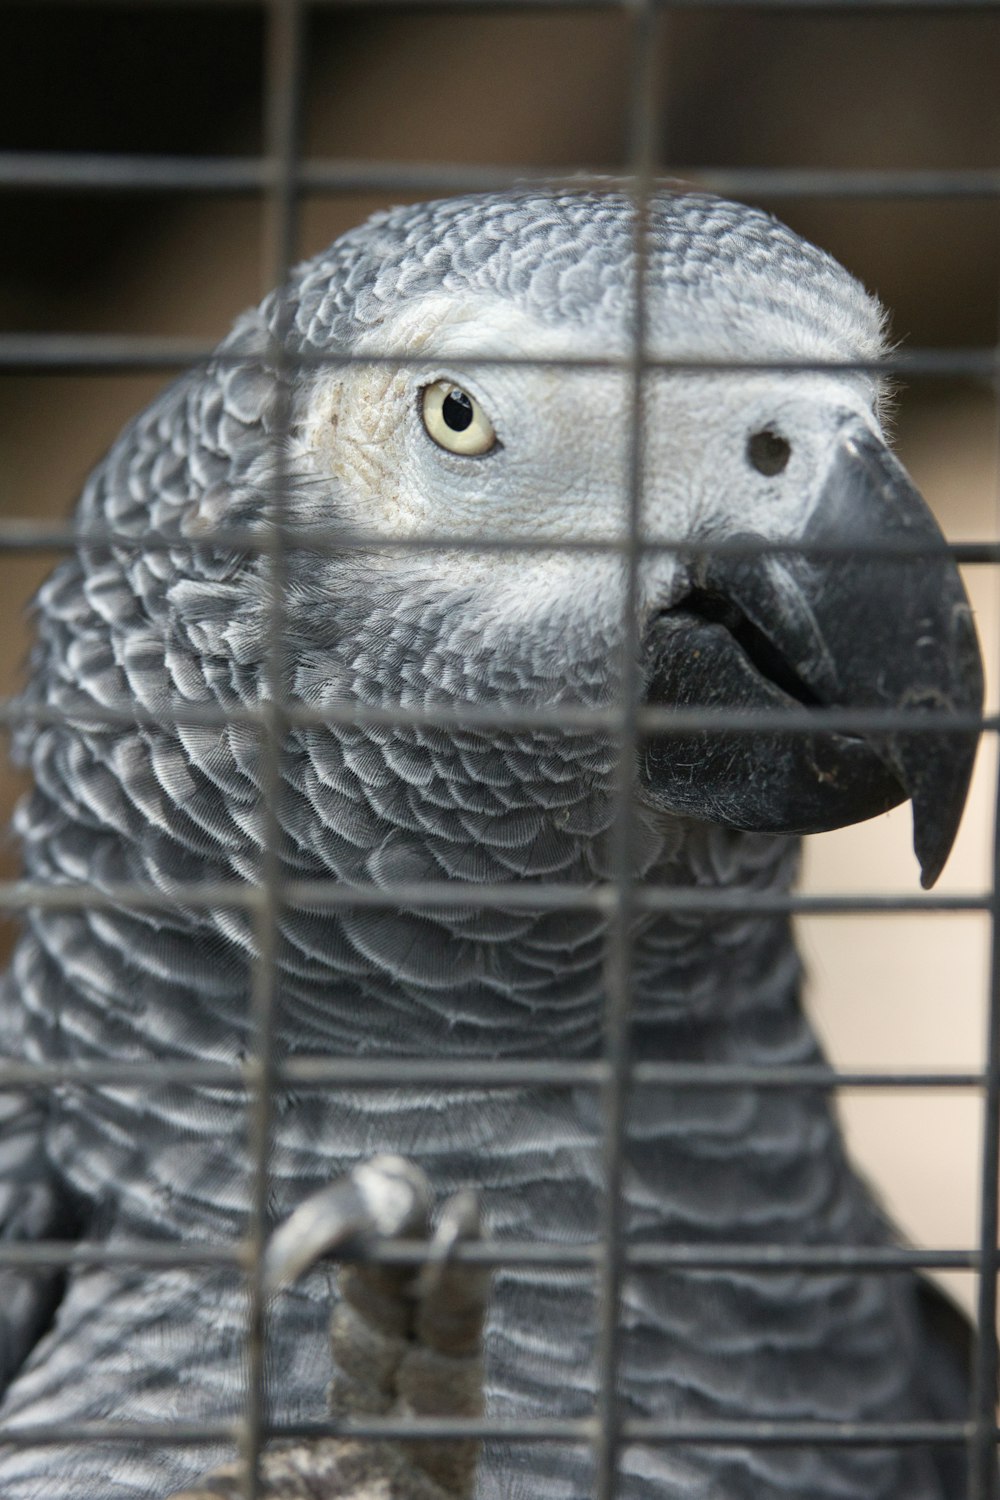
[386, 1196]
[402, 1344]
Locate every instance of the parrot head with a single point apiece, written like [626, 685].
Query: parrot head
[485, 387]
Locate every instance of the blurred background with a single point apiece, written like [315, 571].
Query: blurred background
[895, 90]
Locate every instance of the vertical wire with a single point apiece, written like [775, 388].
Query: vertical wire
[282, 107]
[983, 1445]
[284, 82]
[617, 1040]
[983, 1457]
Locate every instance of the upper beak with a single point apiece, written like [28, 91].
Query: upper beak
[857, 627]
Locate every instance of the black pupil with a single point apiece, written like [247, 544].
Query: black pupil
[457, 410]
[768, 451]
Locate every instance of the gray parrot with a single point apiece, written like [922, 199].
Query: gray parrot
[171, 614]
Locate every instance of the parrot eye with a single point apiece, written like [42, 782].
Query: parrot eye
[455, 420]
[768, 451]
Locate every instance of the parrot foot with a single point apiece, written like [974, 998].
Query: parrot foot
[404, 1343]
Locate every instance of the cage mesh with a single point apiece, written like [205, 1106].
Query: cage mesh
[279, 177]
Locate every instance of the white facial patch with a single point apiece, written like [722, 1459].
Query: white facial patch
[558, 470]
[561, 468]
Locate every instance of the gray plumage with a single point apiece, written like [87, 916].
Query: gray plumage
[164, 625]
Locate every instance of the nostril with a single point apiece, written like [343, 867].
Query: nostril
[768, 451]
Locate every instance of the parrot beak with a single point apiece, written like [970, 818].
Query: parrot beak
[862, 630]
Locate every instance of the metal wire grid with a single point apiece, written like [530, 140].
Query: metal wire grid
[282, 176]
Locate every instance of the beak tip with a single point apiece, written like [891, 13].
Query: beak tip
[936, 822]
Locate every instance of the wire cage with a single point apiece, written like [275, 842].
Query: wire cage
[278, 182]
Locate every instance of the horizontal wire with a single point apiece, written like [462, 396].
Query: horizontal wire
[514, 717]
[438, 895]
[98, 352]
[833, 182]
[457, 895]
[26, 1255]
[22, 534]
[382, 7]
[648, 1430]
[466, 1074]
[90, 171]
[814, 1259]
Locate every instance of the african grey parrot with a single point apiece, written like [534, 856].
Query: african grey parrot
[440, 444]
